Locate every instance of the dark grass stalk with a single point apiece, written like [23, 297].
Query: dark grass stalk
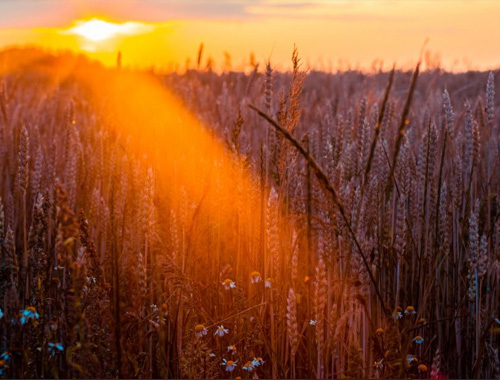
[468, 200]
[477, 364]
[3, 104]
[25, 251]
[377, 127]
[263, 179]
[309, 210]
[375, 138]
[438, 202]
[423, 236]
[23, 179]
[401, 130]
[440, 183]
[328, 188]
[116, 308]
[309, 231]
[407, 220]
[200, 56]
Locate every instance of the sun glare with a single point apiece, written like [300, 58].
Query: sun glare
[99, 30]
[96, 30]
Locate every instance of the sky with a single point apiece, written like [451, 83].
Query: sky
[330, 34]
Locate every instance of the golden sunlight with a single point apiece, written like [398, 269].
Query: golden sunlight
[99, 30]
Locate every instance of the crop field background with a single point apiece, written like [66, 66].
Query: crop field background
[267, 224]
[249, 189]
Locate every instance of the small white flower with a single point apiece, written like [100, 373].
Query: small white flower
[212, 355]
[410, 310]
[313, 322]
[255, 277]
[231, 349]
[378, 364]
[200, 331]
[257, 362]
[249, 367]
[221, 331]
[230, 365]
[396, 314]
[91, 279]
[228, 284]
[268, 283]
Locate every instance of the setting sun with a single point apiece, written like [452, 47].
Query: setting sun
[99, 30]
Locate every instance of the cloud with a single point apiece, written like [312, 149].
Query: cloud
[341, 10]
[245, 9]
[30, 13]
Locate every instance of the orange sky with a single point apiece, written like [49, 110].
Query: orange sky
[462, 33]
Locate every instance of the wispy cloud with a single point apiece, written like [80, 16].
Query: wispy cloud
[343, 10]
[41, 13]
[349, 10]
[29, 13]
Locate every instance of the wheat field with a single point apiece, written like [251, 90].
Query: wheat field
[269, 224]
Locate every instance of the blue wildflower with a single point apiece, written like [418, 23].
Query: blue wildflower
[54, 348]
[418, 339]
[27, 314]
[257, 362]
[411, 359]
